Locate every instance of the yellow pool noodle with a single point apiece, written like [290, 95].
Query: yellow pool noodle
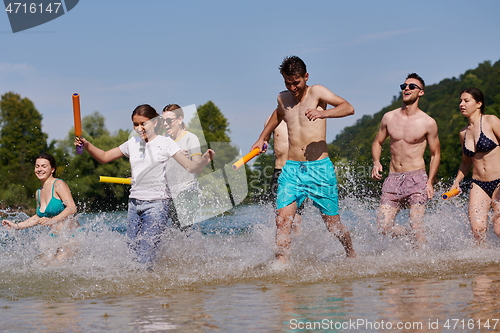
[115, 180]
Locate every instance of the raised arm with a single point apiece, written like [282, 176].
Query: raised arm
[98, 154]
[341, 107]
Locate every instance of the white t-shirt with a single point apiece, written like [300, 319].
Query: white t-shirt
[178, 178]
[148, 161]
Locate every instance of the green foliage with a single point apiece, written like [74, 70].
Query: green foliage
[215, 127]
[260, 176]
[440, 102]
[21, 140]
[82, 172]
[212, 127]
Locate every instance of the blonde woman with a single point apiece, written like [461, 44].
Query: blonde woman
[183, 184]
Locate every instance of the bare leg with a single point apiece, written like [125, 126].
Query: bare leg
[417, 223]
[338, 229]
[297, 225]
[284, 220]
[479, 205]
[385, 221]
[67, 251]
[496, 211]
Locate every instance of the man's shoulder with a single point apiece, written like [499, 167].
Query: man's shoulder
[283, 93]
[285, 98]
[318, 88]
[426, 117]
[390, 114]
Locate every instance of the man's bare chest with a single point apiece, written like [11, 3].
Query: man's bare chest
[406, 131]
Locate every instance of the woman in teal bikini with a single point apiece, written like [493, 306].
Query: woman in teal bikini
[480, 141]
[54, 203]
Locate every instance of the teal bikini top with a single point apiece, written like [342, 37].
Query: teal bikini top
[54, 207]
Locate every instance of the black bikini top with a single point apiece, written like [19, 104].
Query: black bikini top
[483, 145]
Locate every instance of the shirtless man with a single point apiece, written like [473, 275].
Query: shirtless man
[410, 130]
[308, 171]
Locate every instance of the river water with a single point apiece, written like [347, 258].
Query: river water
[219, 277]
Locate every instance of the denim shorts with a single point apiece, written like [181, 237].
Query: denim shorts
[147, 221]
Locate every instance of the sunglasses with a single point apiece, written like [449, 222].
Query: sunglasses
[169, 121]
[411, 86]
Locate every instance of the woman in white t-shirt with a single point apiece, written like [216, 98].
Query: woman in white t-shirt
[182, 183]
[149, 198]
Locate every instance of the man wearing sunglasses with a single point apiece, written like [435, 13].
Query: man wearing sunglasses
[410, 131]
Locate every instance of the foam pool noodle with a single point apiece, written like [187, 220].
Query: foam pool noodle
[239, 163]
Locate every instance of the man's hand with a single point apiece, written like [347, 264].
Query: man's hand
[313, 114]
[430, 190]
[377, 171]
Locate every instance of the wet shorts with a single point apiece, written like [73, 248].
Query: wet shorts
[273, 188]
[405, 188]
[311, 179]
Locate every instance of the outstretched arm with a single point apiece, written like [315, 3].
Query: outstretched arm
[31, 222]
[100, 155]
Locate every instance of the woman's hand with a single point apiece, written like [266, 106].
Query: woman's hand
[46, 221]
[82, 142]
[208, 156]
[9, 224]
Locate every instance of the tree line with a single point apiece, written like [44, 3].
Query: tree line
[350, 151]
[22, 139]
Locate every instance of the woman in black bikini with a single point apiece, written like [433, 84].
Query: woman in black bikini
[479, 149]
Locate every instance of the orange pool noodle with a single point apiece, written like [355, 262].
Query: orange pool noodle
[239, 163]
[451, 193]
[76, 114]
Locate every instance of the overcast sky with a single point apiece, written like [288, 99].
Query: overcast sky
[119, 54]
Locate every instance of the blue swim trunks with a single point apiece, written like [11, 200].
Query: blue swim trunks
[310, 179]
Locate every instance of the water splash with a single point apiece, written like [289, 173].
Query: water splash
[237, 248]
